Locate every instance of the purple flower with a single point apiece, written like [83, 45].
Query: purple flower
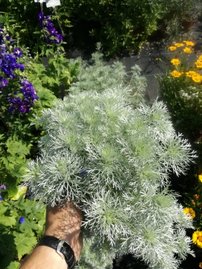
[18, 52]
[52, 35]
[21, 220]
[2, 48]
[8, 37]
[20, 97]
[2, 187]
[15, 103]
[28, 91]
[23, 104]
[41, 18]
[9, 64]
[1, 198]
[3, 82]
[21, 67]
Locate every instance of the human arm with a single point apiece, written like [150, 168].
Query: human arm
[61, 222]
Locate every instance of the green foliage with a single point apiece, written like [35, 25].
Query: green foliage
[176, 14]
[53, 72]
[18, 239]
[120, 26]
[181, 89]
[123, 26]
[19, 133]
[13, 162]
[112, 154]
[184, 100]
[21, 20]
[99, 75]
[51, 77]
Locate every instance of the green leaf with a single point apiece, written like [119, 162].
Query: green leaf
[16, 147]
[13, 265]
[24, 243]
[8, 220]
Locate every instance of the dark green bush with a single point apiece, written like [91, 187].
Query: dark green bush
[123, 26]
[120, 26]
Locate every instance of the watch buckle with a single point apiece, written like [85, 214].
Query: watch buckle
[59, 247]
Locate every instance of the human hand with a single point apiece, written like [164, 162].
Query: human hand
[65, 223]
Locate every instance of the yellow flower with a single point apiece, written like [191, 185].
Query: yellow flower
[198, 64]
[176, 74]
[189, 43]
[196, 77]
[197, 238]
[190, 73]
[189, 212]
[187, 50]
[175, 61]
[178, 45]
[172, 48]
[200, 58]
[200, 178]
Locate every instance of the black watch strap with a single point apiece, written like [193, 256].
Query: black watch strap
[60, 246]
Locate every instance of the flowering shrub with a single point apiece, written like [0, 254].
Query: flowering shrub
[181, 88]
[16, 92]
[50, 32]
[19, 103]
[20, 218]
[194, 211]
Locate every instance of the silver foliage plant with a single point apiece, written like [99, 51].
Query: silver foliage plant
[112, 154]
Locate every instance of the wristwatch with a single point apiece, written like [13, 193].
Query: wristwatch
[61, 246]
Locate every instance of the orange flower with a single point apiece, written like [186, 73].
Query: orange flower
[197, 238]
[176, 74]
[175, 61]
[187, 50]
[189, 212]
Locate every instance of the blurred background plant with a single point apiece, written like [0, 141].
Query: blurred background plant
[120, 26]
